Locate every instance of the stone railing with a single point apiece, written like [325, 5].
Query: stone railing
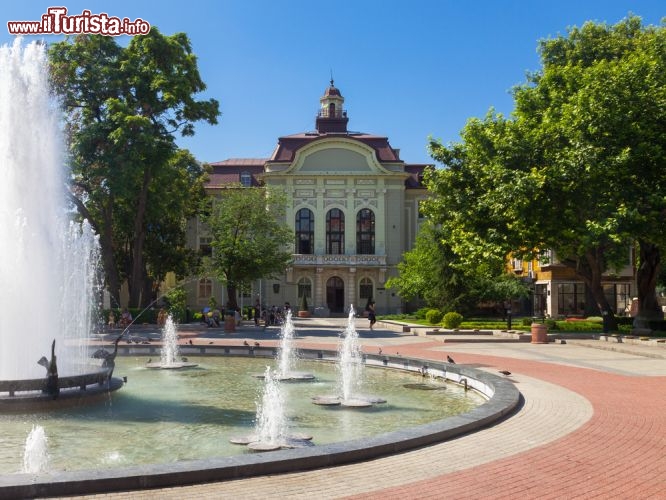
[339, 260]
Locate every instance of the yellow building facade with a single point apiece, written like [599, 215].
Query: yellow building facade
[557, 291]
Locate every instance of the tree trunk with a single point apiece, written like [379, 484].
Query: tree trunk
[591, 269]
[110, 269]
[105, 232]
[136, 278]
[646, 281]
[231, 297]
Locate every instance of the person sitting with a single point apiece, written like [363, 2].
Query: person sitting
[125, 318]
[216, 317]
[162, 317]
[112, 320]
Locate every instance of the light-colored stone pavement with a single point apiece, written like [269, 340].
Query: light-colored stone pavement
[593, 425]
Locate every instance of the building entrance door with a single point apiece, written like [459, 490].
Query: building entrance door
[335, 295]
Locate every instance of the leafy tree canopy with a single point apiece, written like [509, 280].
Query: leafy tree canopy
[122, 107]
[250, 238]
[578, 167]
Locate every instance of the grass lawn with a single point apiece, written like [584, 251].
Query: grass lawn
[587, 325]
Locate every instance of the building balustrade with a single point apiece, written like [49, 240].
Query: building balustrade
[339, 260]
[332, 113]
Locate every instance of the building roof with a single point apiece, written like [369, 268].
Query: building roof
[229, 171]
[415, 171]
[246, 162]
[331, 90]
[290, 144]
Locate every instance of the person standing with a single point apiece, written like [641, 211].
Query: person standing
[371, 314]
[257, 312]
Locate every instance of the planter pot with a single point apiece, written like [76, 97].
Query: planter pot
[303, 314]
[539, 333]
[230, 324]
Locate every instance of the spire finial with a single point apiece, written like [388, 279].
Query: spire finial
[331, 77]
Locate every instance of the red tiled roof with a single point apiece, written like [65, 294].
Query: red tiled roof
[332, 90]
[288, 145]
[415, 179]
[223, 179]
[229, 171]
[240, 162]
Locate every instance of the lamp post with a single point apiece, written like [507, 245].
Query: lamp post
[604, 317]
[508, 318]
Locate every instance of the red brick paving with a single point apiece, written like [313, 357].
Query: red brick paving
[619, 453]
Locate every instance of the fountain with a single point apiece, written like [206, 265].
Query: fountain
[350, 368]
[287, 355]
[35, 455]
[270, 431]
[48, 264]
[271, 423]
[170, 356]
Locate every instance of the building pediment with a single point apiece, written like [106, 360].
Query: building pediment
[335, 156]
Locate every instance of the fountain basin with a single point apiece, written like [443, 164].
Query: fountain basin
[179, 365]
[289, 377]
[502, 394]
[27, 394]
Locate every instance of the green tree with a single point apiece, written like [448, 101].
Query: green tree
[123, 106]
[578, 168]
[250, 237]
[433, 272]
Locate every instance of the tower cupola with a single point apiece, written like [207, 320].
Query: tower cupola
[331, 116]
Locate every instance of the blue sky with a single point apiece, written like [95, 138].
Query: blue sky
[407, 69]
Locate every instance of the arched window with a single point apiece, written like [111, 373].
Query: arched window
[304, 288]
[304, 230]
[335, 231]
[365, 232]
[365, 289]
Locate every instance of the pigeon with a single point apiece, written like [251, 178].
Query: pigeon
[210, 342]
[450, 360]
[380, 351]
[245, 342]
[190, 341]
[256, 344]
[505, 372]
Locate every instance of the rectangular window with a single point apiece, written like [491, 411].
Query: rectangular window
[571, 299]
[205, 289]
[205, 247]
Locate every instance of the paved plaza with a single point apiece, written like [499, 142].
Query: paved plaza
[592, 425]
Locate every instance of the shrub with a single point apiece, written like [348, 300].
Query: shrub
[434, 316]
[552, 324]
[452, 320]
[421, 313]
[176, 301]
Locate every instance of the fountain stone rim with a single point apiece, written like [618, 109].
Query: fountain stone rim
[503, 396]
